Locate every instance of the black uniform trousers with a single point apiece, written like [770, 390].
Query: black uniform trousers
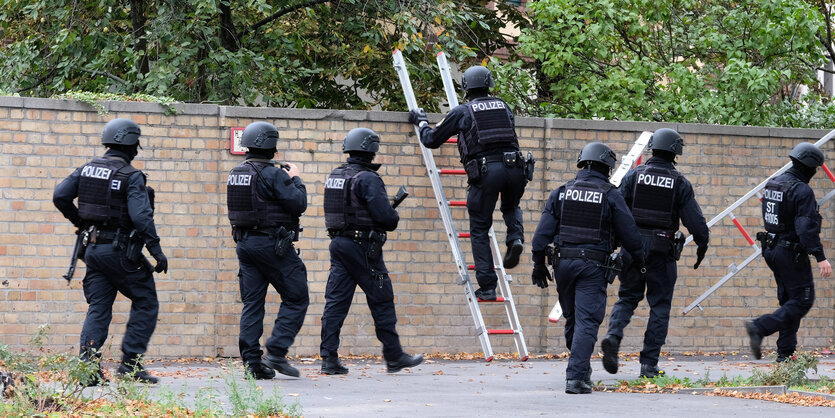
[582, 293]
[795, 292]
[108, 272]
[659, 283]
[481, 202]
[351, 268]
[260, 268]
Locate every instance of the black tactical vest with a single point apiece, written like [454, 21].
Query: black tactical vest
[103, 193]
[343, 210]
[491, 128]
[247, 209]
[776, 209]
[654, 197]
[581, 219]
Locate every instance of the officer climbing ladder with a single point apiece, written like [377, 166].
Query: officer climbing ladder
[734, 269]
[443, 205]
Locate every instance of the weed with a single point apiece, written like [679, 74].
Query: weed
[791, 372]
[249, 398]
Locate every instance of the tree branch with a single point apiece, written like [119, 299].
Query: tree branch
[108, 75]
[281, 12]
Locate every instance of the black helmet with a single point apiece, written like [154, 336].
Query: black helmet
[361, 139]
[666, 139]
[807, 154]
[121, 132]
[261, 135]
[597, 152]
[477, 77]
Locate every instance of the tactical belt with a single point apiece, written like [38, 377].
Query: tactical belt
[498, 158]
[106, 237]
[657, 233]
[353, 233]
[787, 244]
[583, 253]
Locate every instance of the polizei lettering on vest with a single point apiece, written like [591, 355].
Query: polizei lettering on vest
[657, 181]
[479, 106]
[334, 183]
[239, 180]
[587, 196]
[773, 195]
[96, 172]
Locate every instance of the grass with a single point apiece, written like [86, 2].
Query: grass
[49, 384]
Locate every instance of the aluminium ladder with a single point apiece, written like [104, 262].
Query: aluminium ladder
[733, 269]
[506, 297]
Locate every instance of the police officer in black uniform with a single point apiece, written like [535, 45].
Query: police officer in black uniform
[793, 226]
[115, 208]
[489, 150]
[358, 214]
[265, 203]
[584, 219]
[658, 196]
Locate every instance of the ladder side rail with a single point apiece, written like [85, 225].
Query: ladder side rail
[628, 160]
[443, 207]
[504, 284]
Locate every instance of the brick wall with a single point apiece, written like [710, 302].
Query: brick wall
[186, 157]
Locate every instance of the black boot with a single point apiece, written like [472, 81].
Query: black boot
[485, 294]
[280, 365]
[576, 387]
[133, 370]
[514, 250]
[756, 339]
[610, 346]
[650, 371]
[403, 362]
[332, 365]
[260, 371]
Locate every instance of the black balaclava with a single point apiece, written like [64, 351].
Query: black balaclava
[477, 93]
[128, 152]
[267, 154]
[803, 171]
[667, 156]
[362, 156]
[599, 167]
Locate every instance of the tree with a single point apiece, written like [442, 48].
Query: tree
[719, 61]
[292, 53]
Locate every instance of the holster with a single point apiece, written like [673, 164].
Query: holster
[283, 241]
[614, 266]
[133, 247]
[767, 239]
[473, 170]
[678, 245]
[375, 245]
[529, 164]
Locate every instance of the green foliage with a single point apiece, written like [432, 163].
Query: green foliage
[679, 61]
[249, 398]
[312, 54]
[94, 99]
[791, 372]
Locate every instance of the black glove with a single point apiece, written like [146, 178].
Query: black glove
[162, 262]
[540, 274]
[700, 255]
[416, 116]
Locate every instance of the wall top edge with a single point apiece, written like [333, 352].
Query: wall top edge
[196, 109]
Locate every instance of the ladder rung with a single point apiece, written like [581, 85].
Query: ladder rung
[472, 267]
[457, 203]
[452, 141]
[501, 331]
[463, 235]
[453, 171]
[498, 299]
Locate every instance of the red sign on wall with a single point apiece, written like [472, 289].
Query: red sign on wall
[235, 142]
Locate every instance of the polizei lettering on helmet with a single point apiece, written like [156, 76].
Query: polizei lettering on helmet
[657, 181]
[96, 172]
[491, 105]
[587, 196]
[239, 180]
